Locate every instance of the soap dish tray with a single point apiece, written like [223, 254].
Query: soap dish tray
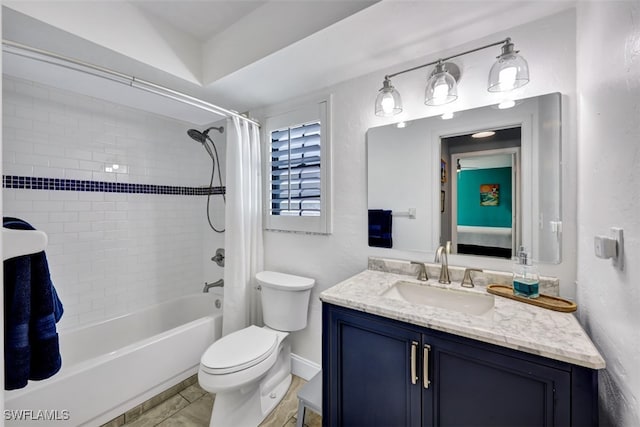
[544, 301]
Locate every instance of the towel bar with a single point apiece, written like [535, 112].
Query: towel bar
[411, 213]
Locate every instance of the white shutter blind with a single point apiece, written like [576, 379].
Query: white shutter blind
[295, 171]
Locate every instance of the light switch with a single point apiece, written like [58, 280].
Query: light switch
[611, 247]
[605, 247]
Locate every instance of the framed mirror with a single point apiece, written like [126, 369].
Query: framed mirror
[487, 180]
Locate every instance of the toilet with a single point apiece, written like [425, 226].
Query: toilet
[250, 370]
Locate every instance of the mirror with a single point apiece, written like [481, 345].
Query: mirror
[432, 181]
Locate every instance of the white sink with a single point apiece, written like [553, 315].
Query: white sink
[450, 299]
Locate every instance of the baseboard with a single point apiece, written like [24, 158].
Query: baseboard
[303, 368]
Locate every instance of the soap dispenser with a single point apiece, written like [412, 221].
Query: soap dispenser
[526, 281]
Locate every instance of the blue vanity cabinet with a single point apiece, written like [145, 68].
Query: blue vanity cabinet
[480, 387]
[366, 371]
[368, 379]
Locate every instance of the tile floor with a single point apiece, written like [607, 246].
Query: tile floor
[192, 408]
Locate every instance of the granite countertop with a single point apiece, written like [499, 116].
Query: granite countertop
[510, 323]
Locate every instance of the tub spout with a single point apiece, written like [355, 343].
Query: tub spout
[216, 284]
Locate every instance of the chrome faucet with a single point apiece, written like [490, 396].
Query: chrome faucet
[422, 271]
[216, 284]
[441, 257]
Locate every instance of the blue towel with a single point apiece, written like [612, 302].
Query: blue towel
[31, 310]
[380, 228]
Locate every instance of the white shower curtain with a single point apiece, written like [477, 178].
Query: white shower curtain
[243, 222]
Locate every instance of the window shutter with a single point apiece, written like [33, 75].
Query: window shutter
[295, 171]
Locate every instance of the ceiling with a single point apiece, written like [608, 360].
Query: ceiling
[246, 54]
[201, 19]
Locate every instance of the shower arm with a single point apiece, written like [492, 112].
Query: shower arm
[42, 55]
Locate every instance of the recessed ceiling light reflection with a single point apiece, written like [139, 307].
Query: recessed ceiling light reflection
[506, 104]
[483, 134]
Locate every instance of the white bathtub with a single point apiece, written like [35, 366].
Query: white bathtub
[111, 366]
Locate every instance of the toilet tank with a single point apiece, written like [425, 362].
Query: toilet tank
[285, 300]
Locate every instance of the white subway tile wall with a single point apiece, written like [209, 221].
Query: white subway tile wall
[109, 253]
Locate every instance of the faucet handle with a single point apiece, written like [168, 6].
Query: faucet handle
[422, 271]
[467, 280]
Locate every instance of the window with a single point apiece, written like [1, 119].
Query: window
[297, 184]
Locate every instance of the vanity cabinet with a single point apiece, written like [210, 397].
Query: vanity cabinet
[382, 372]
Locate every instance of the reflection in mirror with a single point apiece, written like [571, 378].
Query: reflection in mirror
[485, 206]
[505, 194]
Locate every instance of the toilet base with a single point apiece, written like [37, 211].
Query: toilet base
[250, 405]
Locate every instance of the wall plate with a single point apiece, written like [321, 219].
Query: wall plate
[618, 260]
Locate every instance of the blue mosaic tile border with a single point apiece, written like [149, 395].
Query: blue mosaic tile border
[35, 183]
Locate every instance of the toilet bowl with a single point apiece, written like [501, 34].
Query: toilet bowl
[250, 370]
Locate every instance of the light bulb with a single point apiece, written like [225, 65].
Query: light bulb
[447, 116]
[387, 103]
[507, 78]
[440, 92]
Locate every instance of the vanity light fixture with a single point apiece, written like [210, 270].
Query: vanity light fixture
[442, 86]
[388, 101]
[510, 71]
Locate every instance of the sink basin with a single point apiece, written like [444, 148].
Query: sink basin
[450, 299]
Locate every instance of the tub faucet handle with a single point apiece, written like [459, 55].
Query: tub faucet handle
[218, 258]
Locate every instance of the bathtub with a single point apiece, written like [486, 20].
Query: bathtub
[114, 365]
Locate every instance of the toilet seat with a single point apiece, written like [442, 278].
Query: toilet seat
[239, 350]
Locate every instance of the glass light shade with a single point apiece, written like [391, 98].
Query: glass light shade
[509, 72]
[441, 87]
[388, 101]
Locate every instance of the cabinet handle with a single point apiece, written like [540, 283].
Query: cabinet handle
[425, 365]
[414, 350]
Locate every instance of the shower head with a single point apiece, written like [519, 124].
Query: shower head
[201, 137]
[196, 135]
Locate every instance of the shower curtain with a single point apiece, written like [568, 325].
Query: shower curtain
[243, 221]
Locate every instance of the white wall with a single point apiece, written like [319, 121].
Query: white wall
[549, 47]
[108, 252]
[608, 36]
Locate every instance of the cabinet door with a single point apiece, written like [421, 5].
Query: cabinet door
[368, 378]
[475, 386]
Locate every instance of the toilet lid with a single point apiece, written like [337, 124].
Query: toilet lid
[285, 282]
[239, 350]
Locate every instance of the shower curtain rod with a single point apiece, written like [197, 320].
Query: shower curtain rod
[118, 77]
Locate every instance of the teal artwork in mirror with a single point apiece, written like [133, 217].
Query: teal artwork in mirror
[435, 168]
